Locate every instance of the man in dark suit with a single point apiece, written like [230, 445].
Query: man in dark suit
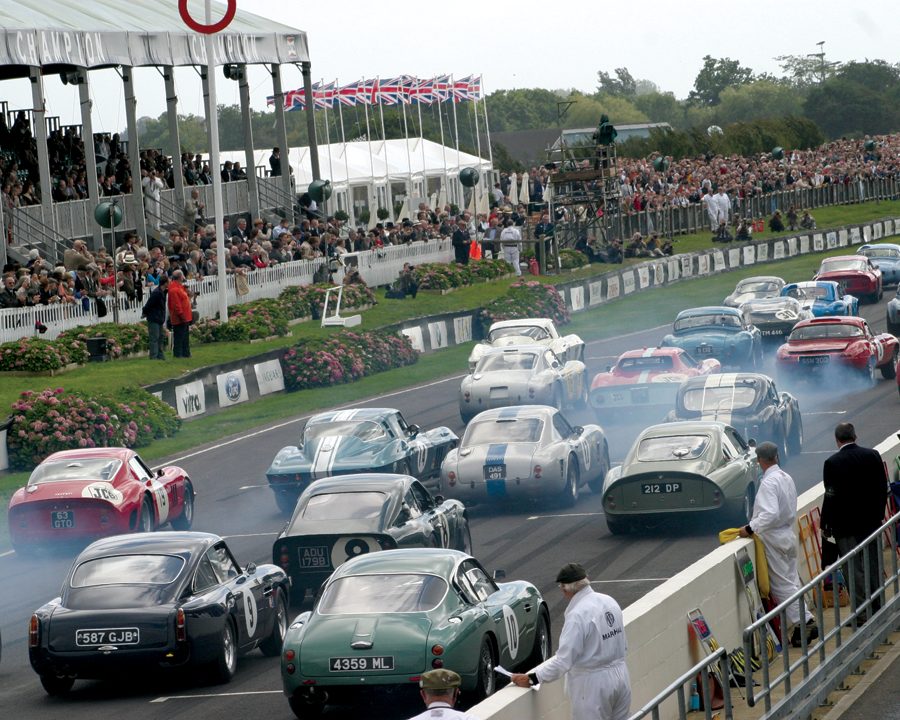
[461, 241]
[853, 508]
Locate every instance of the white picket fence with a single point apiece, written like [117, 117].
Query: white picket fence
[377, 267]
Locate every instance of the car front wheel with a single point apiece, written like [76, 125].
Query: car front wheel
[145, 518]
[570, 491]
[225, 665]
[543, 641]
[186, 519]
[271, 646]
[889, 369]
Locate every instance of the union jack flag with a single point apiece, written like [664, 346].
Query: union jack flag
[475, 88]
[461, 89]
[323, 95]
[368, 92]
[422, 91]
[441, 88]
[295, 100]
[348, 94]
[392, 91]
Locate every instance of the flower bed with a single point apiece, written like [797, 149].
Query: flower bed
[305, 301]
[53, 420]
[526, 299]
[344, 357]
[570, 259]
[121, 340]
[254, 320]
[445, 276]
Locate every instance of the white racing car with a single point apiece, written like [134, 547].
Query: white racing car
[530, 451]
[528, 331]
[522, 375]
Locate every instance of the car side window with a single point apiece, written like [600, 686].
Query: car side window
[424, 500]
[550, 358]
[481, 583]
[402, 424]
[222, 563]
[736, 441]
[465, 587]
[412, 504]
[204, 578]
[561, 426]
[139, 469]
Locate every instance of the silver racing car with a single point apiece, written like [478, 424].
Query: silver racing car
[522, 375]
[526, 451]
[528, 331]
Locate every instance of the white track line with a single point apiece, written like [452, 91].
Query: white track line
[587, 514]
[214, 695]
[268, 534]
[628, 580]
[8, 552]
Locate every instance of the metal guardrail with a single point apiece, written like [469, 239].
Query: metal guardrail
[720, 659]
[27, 224]
[838, 655]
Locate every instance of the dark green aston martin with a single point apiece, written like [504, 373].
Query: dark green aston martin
[385, 618]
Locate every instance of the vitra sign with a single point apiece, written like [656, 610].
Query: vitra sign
[190, 399]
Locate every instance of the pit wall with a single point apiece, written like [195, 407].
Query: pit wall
[660, 646]
[210, 389]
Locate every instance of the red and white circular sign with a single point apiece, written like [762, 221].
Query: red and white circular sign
[230, 10]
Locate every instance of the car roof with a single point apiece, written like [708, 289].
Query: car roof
[516, 349]
[833, 320]
[351, 414]
[437, 561]
[517, 412]
[521, 322]
[815, 283]
[843, 257]
[684, 427]
[358, 482]
[651, 352]
[709, 310]
[726, 379]
[175, 543]
[119, 453]
[879, 246]
[761, 278]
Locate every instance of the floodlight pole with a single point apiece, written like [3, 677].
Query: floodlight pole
[112, 245]
[215, 171]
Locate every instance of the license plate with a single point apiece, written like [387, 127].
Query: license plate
[495, 472]
[62, 519]
[663, 488]
[766, 333]
[640, 395]
[704, 350]
[315, 557]
[363, 664]
[815, 360]
[108, 636]
[498, 393]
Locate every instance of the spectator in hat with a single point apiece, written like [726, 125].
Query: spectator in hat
[439, 690]
[591, 652]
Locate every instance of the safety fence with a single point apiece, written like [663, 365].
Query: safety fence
[376, 267]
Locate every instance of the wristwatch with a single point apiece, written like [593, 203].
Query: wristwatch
[749, 530]
[533, 678]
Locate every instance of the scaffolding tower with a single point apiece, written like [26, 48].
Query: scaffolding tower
[584, 193]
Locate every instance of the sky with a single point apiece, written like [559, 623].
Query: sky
[529, 43]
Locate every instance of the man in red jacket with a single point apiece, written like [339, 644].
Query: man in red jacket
[180, 315]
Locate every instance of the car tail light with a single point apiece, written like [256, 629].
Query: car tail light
[34, 632]
[537, 472]
[467, 396]
[437, 649]
[290, 668]
[289, 655]
[451, 476]
[717, 496]
[437, 663]
[180, 630]
[307, 682]
[284, 558]
[298, 477]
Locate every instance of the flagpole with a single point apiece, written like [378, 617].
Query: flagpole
[212, 112]
[327, 131]
[422, 140]
[409, 193]
[456, 131]
[371, 158]
[387, 168]
[445, 182]
[350, 212]
[487, 128]
[478, 189]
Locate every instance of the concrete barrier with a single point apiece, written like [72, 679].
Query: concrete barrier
[660, 646]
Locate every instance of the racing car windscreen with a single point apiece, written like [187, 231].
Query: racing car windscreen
[388, 593]
[712, 320]
[758, 286]
[848, 264]
[729, 398]
[809, 292]
[672, 447]
[882, 252]
[128, 570]
[340, 506]
[104, 469]
[530, 331]
[653, 362]
[365, 430]
[504, 430]
[501, 362]
[828, 330]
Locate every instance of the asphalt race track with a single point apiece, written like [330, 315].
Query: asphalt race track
[530, 542]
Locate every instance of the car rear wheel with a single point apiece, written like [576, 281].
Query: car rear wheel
[570, 491]
[889, 369]
[308, 704]
[596, 483]
[271, 646]
[57, 684]
[186, 519]
[543, 641]
[487, 679]
[285, 502]
[617, 526]
[795, 442]
[893, 329]
[145, 517]
[869, 373]
[225, 665]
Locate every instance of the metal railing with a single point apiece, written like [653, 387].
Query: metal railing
[273, 197]
[717, 660]
[30, 231]
[842, 647]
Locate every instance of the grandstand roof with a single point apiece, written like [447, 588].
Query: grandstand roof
[104, 33]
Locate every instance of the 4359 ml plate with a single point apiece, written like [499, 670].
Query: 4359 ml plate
[375, 662]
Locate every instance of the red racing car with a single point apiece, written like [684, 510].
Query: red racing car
[84, 494]
[646, 379]
[856, 275]
[825, 343]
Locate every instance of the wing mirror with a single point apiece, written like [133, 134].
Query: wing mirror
[577, 431]
[555, 365]
[439, 499]
[752, 442]
[413, 430]
[609, 368]
[251, 568]
[499, 575]
[159, 472]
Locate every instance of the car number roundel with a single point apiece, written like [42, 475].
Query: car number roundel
[512, 631]
[250, 612]
[348, 547]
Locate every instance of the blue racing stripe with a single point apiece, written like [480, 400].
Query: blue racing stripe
[496, 455]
